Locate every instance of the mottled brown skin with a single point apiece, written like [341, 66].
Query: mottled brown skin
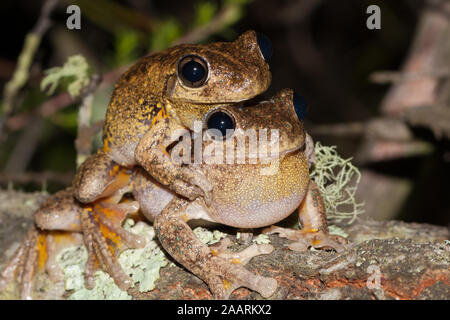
[150, 103]
[235, 202]
[243, 197]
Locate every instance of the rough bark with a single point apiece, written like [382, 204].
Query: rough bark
[412, 260]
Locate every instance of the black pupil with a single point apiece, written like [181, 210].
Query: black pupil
[299, 106]
[220, 121]
[193, 71]
[265, 46]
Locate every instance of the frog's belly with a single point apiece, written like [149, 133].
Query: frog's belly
[252, 196]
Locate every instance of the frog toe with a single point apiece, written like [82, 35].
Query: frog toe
[36, 254]
[234, 276]
[240, 257]
[105, 239]
[304, 239]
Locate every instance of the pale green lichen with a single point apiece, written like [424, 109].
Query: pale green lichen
[338, 180]
[76, 70]
[333, 229]
[142, 265]
[261, 239]
[209, 237]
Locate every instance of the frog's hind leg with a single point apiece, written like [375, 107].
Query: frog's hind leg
[105, 239]
[104, 236]
[314, 232]
[219, 272]
[95, 176]
[38, 252]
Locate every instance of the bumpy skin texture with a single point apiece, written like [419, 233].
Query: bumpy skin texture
[152, 93]
[244, 197]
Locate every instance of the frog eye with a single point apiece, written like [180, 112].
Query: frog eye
[220, 121]
[193, 71]
[264, 46]
[300, 106]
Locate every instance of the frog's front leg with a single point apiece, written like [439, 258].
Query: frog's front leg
[314, 232]
[222, 274]
[151, 153]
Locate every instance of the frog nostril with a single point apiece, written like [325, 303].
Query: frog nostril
[264, 46]
[300, 106]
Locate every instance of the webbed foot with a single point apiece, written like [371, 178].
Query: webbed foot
[220, 249]
[105, 239]
[36, 254]
[305, 239]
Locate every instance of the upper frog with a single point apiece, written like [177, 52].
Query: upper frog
[165, 92]
[186, 81]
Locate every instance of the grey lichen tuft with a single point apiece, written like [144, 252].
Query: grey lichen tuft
[338, 180]
[76, 70]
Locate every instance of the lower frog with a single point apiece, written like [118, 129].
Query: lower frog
[251, 189]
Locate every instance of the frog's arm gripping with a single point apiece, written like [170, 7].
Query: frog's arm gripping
[151, 153]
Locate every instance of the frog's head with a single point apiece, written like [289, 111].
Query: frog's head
[220, 72]
[257, 191]
[280, 120]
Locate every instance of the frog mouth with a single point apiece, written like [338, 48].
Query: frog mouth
[279, 155]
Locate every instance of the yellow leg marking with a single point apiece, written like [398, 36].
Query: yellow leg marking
[42, 250]
[226, 284]
[108, 234]
[236, 261]
[105, 148]
[214, 252]
[315, 242]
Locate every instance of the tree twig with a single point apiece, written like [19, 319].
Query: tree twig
[83, 143]
[64, 178]
[63, 100]
[21, 73]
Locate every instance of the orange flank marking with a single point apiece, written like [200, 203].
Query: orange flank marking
[120, 180]
[311, 230]
[315, 242]
[105, 145]
[214, 252]
[236, 261]
[115, 215]
[42, 251]
[162, 114]
[226, 284]
[114, 171]
[184, 217]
